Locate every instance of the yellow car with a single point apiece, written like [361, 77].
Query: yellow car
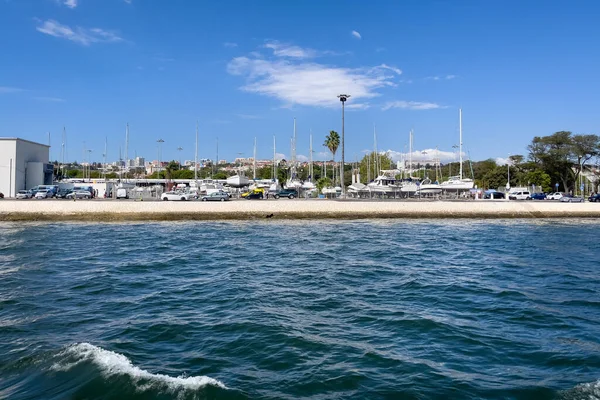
[254, 194]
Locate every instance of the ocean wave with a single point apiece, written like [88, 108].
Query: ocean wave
[112, 363]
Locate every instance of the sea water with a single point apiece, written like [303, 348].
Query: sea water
[425, 309]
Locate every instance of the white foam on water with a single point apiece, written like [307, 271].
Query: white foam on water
[111, 363]
[583, 391]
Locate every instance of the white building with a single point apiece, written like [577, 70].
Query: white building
[23, 165]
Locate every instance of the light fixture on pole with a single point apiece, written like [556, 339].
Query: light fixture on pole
[89, 164]
[343, 98]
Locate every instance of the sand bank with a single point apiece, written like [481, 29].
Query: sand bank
[113, 210]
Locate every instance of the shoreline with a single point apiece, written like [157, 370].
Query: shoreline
[112, 210]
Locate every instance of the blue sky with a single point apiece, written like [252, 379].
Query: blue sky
[245, 69]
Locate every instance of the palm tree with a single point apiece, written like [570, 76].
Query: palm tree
[332, 142]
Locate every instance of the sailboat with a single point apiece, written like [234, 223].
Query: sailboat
[457, 183]
[240, 179]
[309, 185]
[293, 181]
[385, 183]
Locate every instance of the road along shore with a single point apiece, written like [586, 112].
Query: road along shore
[112, 210]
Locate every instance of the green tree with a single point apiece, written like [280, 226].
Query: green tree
[367, 166]
[323, 182]
[332, 142]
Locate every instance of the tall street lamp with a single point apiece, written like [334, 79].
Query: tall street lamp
[343, 98]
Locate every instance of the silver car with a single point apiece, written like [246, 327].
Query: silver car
[24, 194]
[216, 196]
[569, 198]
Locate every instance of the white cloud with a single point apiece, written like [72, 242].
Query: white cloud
[450, 76]
[301, 158]
[280, 156]
[426, 155]
[230, 44]
[410, 105]
[69, 3]
[289, 50]
[323, 155]
[50, 99]
[79, 35]
[356, 34]
[358, 106]
[127, 1]
[503, 161]
[294, 81]
[7, 89]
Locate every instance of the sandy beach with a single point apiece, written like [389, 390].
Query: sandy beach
[111, 210]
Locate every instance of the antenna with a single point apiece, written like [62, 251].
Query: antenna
[460, 142]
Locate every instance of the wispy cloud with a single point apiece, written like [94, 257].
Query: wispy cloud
[69, 3]
[380, 49]
[8, 89]
[248, 116]
[410, 105]
[127, 1]
[296, 81]
[438, 78]
[79, 35]
[49, 99]
[289, 50]
[358, 106]
[230, 44]
[356, 34]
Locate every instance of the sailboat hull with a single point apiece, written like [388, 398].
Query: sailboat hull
[238, 181]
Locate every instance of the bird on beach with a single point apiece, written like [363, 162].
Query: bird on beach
[269, 216]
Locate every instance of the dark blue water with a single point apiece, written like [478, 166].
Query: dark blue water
[315, 310]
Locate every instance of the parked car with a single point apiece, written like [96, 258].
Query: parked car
[255, 194]
[79, 194]
[594, 198]
[175, 196]
[42, 194]
[524, 195]
[554, 196]
[537, 196]
[258, 193]
[493, 195]
[62, 193]
[569, 198]
[24, 194]
[216, 196]
[289, 193]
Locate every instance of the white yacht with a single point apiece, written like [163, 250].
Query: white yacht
[428, 188]
[385, 183]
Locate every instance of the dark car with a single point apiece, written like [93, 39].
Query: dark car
[289, 193]
[595, 197]
[537, 196]
[493, 195]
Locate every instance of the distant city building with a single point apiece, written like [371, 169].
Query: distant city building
[139, 162]
[222, 162]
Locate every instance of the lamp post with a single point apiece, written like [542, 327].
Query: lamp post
[343, 98]
[89, 164]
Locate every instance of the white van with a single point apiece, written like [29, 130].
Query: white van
[523, 195]
[122, 193]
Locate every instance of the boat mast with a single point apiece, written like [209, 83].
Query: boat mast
[104, 156]
[410, 146]
[126, 149]
[254, 161]
[376, 165]
[196, 155]
[274, 165]
[460, 142]
[310, 167]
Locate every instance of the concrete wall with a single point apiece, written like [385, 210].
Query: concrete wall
[21, 152]
[7, 172]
